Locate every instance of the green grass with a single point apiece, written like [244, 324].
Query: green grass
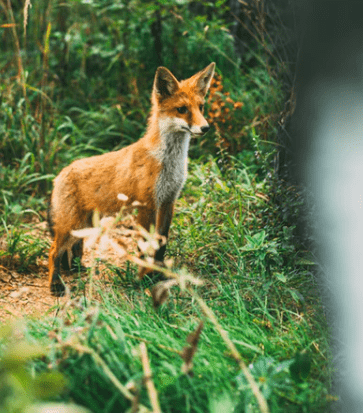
[228, 230]
[257, 286]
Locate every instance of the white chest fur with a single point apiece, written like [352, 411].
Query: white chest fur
[173, 154]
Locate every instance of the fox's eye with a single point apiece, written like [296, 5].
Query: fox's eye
[201, 108]
[182, 110]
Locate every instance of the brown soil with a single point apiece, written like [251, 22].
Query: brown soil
[28, 295]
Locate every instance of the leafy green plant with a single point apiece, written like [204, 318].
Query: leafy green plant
[263, 253]
[23, 390]
[273, 379]
[22, 249]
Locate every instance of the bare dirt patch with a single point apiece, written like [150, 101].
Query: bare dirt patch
[27, 294]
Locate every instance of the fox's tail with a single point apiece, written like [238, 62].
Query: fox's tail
[49, 218]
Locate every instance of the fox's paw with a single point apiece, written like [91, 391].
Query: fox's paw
[57, 287]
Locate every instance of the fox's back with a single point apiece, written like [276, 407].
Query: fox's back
[94, 183]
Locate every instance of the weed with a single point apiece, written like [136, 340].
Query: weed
[22, 249]
[20, 390]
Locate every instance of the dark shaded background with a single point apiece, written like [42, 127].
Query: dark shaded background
[328, 157]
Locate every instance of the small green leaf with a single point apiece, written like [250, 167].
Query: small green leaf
[96, 219]
[49, 384]
[19, 353]
[16, 209]
[281, 277]
[300, 368]
[259, 237]
[56, 408]
[303, 261]
[221, 404]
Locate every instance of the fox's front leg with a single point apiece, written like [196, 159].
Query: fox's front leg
[164, 214]
[56, 253]
[163, 221]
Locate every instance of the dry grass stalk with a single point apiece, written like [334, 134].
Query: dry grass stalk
[172, 350]
[184, 281]
[27, 6]
[160, 292]
[104, 234]
[210, 315]
[235, 354]
[153, 396]
[86, 350]
[81, 349]
[21, 78]
[189, 351]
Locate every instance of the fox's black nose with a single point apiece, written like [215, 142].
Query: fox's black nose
[205, 129]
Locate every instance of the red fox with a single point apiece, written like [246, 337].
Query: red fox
[152, 171]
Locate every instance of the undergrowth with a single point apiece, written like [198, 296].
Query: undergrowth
[257, 283]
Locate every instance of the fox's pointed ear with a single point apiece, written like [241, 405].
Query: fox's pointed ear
[204, 78]
[165, 83]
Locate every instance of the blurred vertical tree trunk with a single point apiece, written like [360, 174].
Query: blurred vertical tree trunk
[176, 37]
[156, 32]
[124, 87]
[62, 17]
[239, 33]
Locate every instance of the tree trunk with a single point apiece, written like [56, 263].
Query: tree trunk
[156, 32]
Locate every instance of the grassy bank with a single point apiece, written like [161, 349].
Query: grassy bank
[257, 283]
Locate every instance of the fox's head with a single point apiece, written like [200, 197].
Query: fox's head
[179, 105]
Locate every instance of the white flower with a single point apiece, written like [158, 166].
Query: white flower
[92, 235]
[122, 197]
